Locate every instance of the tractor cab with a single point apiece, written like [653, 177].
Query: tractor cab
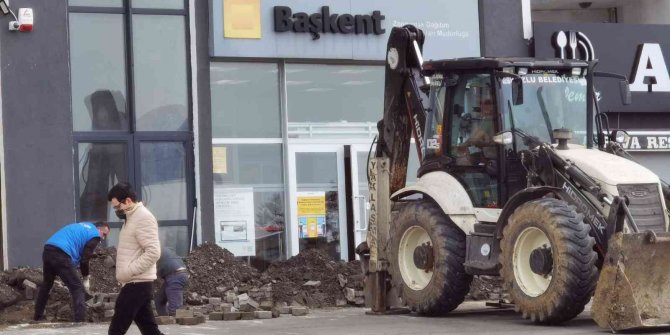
[474, 101]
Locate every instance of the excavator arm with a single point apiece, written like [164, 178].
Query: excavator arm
[404, 102]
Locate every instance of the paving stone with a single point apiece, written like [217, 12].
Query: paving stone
[246, 315]
[266, 305]
[225, 307]
[201, 318]
[188, 321]
[350, 294]
[230, 297]
[109, 313]
[231, 316]
[214, 301]
[342, 280]
[216, 316]
[275, 312]
[111, 297]
[184, 313]
[284, 310]
[299, 311]
[340, 302]
[165, 320]
[27, 283]
[263, 315]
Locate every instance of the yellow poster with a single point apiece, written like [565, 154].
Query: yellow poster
[311, 214]
[219, 160]
[242, 19]
[311, 203]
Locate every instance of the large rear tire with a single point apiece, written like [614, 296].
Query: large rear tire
[548, 262]
[440, 285]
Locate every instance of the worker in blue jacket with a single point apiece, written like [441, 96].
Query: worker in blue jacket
[69, 247]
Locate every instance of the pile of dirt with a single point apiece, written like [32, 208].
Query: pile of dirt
[102, 269]
[18, 288]
[215, 270]
[313, 278]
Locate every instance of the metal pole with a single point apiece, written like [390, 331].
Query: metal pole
[378, 231]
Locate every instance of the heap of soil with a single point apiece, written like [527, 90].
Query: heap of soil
[215, 270]
[289, 278]
[102, 269]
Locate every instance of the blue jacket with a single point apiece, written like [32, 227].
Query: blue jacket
[72, 239]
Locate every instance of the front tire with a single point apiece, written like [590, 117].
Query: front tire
[548, 262]
[442, 283]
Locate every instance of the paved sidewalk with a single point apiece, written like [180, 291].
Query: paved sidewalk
[470, 318]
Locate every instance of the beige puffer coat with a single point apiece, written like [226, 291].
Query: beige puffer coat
[139, 247]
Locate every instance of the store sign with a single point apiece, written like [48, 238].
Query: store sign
[648, 141]
[639, 51]
[325, 22]
[340, 29]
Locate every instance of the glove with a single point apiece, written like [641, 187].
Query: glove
[87, 284]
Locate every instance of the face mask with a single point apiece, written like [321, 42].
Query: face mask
[121, 214]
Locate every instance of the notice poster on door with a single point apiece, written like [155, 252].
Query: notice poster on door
[311, 214]
[234, 220]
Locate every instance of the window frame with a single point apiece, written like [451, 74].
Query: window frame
[132, 138]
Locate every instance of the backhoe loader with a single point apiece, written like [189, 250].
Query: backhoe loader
[520, 177]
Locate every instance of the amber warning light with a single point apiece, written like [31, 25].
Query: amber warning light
[24, 22]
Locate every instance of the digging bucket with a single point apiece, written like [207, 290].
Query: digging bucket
[633, 290]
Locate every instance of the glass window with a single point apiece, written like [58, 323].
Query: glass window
[473, 121]
[245, 100]
[96, 3]
[101, 166]
[550, 101]
[175, 238]
[316, 107]
[163, 179]
[253, 172]
[163, 4]
[161, 95]
[98, 72]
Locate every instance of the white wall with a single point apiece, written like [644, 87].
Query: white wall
[645, 12]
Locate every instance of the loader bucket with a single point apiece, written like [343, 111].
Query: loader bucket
[633, 290]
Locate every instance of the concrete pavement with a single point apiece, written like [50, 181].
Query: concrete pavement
[470, 318]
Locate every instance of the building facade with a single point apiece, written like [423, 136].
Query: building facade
[247, 123]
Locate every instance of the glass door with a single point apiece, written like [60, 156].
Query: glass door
[359, 185]
[317, 199]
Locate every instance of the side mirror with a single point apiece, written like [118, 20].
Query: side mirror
[619, 136]
[505, 137]
[624, 89]
[517, 91]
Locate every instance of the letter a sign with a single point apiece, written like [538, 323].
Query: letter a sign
[651, 72]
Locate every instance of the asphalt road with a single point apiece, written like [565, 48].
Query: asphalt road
[470, 318]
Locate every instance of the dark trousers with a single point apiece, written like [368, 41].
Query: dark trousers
[170, 297]
[57, 263]
[134, 304]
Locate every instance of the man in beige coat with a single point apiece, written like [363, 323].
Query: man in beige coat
[136, 256]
